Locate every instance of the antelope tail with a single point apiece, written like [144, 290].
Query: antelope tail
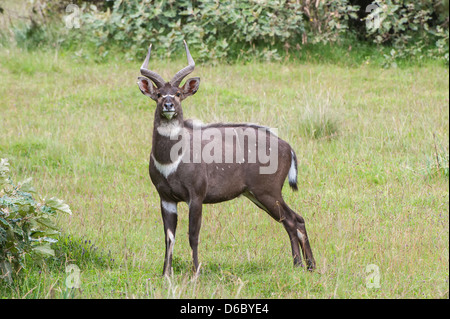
[292, 175]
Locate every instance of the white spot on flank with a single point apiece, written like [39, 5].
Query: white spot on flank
[169, 207]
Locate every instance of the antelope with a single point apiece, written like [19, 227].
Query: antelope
[182, 171]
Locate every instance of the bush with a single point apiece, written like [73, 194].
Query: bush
[230, 30]
[27, 223]
[263, 29]
[328, 21]
[225, 29]
[416, 29]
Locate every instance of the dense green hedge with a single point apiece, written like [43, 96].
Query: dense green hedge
[238, 29]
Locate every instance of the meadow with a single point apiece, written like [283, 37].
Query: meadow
[372, 146]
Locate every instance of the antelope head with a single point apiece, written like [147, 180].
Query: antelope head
[168, 95]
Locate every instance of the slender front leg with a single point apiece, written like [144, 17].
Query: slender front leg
[195, 222]
[170, 218]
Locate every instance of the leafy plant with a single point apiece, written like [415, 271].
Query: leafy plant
[328, 20]
[215, 29]
[27, 224]
[239, 30]
[261, 29]
[410, 28]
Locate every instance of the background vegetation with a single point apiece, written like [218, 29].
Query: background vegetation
[367, 113]
[242, 30]
[26, 223]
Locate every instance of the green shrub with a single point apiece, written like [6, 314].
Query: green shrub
[27, 223]
[264, 29]
[243, 30]
[215, 29]
[327, 21]
[416, 29]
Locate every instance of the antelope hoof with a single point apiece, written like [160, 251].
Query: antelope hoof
[311, 265]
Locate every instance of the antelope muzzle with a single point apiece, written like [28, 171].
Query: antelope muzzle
[168, 110]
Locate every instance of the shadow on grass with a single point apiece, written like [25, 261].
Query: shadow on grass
[80, 251]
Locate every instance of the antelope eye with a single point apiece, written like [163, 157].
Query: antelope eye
[178, 94]
[158, 95]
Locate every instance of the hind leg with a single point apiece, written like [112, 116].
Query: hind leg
[300, 229]
[275, 206]
[289, 225]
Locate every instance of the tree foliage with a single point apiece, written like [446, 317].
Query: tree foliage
[263, 28]
[254, 28]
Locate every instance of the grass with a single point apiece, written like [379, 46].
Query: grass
[366, 140]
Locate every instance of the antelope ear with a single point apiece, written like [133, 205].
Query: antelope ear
[190, 87]
[147, 88]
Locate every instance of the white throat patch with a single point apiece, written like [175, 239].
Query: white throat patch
[170, 129]
[167, 169]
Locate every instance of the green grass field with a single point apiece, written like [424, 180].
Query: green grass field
[372, 146]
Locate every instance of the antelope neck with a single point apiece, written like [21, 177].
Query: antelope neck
[165, 135]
